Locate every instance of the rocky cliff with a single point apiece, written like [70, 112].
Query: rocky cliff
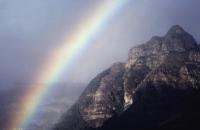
[103, 98]
[159, 85]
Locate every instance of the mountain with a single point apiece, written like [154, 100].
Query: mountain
[102, 99]
[157, 88]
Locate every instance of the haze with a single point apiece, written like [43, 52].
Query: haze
[29, 30]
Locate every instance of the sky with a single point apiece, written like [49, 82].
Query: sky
[32, 29]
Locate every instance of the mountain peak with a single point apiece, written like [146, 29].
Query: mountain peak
[177, 39]
[176, 29]
[161, 73]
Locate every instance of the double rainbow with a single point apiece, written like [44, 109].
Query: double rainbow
[55, 63]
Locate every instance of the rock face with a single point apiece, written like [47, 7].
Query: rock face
[102, 99]
[159, 85]
[175, 49]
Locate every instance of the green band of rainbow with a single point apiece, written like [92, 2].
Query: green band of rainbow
[60, 60]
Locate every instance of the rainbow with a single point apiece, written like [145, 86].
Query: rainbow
[55, 63]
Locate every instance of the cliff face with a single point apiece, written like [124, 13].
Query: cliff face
[102, 99]
[158, 84]
[157, 58]
[106, 100]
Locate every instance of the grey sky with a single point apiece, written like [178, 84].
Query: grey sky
[29, 29]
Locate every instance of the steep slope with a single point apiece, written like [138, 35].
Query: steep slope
[157, 88]
[167, 96]
[173, 48]
[102, 99]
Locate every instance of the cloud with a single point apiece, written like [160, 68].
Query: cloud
[31, 29]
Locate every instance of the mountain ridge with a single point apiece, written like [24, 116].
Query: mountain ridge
[159, 80]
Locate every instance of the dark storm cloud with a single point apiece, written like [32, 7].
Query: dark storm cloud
[135, 24]
[31, 29]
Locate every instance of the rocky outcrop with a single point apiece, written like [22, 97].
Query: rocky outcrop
[102, 99]
[177, 47]
[107, 100]
[157, 85]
